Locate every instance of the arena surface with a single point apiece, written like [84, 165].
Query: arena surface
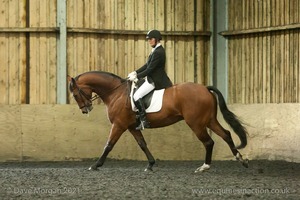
[125, 179]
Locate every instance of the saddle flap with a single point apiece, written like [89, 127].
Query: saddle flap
[152, 101]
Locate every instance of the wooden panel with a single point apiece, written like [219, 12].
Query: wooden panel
[61, 132]
[42, 53]
[264, 51]
[10, 133]
[96, 42]
[45, 137]
[13, 56]
[122, 52]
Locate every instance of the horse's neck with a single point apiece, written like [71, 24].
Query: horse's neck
[99, 82]
[107, 88]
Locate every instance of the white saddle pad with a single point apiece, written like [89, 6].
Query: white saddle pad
[156, 101]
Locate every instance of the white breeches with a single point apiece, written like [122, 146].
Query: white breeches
[145, 88]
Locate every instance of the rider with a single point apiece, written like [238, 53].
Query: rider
[154, 73]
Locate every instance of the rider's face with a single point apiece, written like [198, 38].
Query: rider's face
[152, 42]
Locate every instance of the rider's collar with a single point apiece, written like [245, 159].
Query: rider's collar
[157, 45]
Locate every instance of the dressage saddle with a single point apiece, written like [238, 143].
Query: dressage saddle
[147, 98]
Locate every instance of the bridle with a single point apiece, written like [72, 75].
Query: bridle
[83, 95]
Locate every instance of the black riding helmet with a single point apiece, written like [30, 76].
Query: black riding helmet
[154, 34]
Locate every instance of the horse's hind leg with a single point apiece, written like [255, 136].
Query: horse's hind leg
[216, 127]
[138, 136]
[208, 144]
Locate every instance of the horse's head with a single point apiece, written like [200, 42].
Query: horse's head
[82, 95]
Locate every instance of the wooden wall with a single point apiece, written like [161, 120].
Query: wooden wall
[264, 51]
[110, 36]
[101, 35]
[12, 53]
[263, 45]
[42, 51]
[61, 132]
[27, 52]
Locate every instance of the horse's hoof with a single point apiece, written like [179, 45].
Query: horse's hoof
[93, 168]
[203, 168]
[148, 169]
[200, 170]
[246, 163]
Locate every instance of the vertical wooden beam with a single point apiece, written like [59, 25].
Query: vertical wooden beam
[27, 8]
[62, 52]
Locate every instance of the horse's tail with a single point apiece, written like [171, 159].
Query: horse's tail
[231, 118]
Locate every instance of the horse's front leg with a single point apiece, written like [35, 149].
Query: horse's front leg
[115, 134]
[138, 136]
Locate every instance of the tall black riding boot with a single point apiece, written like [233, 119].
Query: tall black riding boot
[142, 115]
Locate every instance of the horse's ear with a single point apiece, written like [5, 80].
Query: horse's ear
[69, 78]
[72, 82]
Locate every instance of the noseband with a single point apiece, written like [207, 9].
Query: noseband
[84, 95]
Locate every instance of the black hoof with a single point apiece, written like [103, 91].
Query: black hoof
[246, 163]
[149, 168]
[93, 168]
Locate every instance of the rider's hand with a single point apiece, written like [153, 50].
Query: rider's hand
[132, 76]
[134, 79]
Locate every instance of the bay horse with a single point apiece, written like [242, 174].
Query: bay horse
[194, 103]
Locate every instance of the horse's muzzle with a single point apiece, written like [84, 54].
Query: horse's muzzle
[86, 109]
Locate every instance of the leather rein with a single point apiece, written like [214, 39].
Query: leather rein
[96, 96]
